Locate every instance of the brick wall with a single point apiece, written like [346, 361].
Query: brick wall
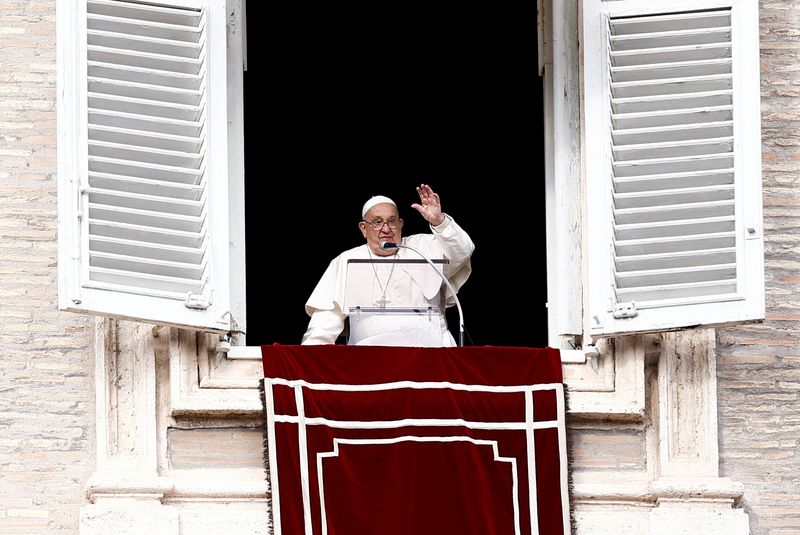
[759, 365]
[46, 384]
[229, 447]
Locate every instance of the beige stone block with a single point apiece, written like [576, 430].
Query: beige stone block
[250, 518]
[778, 455]
[21, 526]
[746, 359]
[12, 467]
[771, 396]
[34, 456]
[39, 140]
[129, 518]
[27, 513]
[782, 523]
[736, 454]
[789, 342]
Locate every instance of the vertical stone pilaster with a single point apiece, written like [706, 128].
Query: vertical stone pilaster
[690, 495]
[688, 405]
[126, 490]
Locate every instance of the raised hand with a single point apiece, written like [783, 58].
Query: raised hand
[430, 207]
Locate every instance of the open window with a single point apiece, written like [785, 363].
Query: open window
[654, 201]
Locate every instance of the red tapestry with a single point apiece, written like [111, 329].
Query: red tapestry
[390, 440]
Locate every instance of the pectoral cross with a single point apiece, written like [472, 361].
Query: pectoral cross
[382, 302]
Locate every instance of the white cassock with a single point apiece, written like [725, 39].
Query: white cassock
[390, 285]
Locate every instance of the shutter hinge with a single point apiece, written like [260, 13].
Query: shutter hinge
[200, 302]
[233, 326]
[625, 310]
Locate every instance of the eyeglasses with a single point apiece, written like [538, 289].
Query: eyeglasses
[378, 224]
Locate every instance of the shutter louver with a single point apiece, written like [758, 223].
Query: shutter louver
[672, 158]
[147, 225]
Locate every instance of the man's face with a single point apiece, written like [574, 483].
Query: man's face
[383, 216]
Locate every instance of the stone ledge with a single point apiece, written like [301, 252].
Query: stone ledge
[190, 485]
[706, 492]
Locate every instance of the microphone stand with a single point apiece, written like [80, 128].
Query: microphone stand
[386, 246]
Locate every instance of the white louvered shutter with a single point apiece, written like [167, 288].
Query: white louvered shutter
[144, 185]
[673, 175]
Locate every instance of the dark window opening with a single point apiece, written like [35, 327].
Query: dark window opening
[364, 98]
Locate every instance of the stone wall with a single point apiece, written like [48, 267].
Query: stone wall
[759, 365]
[46, 366]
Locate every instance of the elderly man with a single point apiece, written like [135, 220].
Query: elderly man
[381, 223]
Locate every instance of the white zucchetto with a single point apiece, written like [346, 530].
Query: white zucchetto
[377, 199]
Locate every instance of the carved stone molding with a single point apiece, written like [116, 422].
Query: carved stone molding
[139, 371]
[687, 399]
[203, 382]
[126, 491]
[680, 490]
[125, 398]
[610, 385]
[690, 494]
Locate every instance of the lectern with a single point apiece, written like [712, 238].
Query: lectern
[396, 302]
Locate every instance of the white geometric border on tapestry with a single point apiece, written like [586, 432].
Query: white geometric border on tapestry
[412, 438]
[529, 425]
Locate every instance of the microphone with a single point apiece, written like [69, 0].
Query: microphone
[388, 246]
